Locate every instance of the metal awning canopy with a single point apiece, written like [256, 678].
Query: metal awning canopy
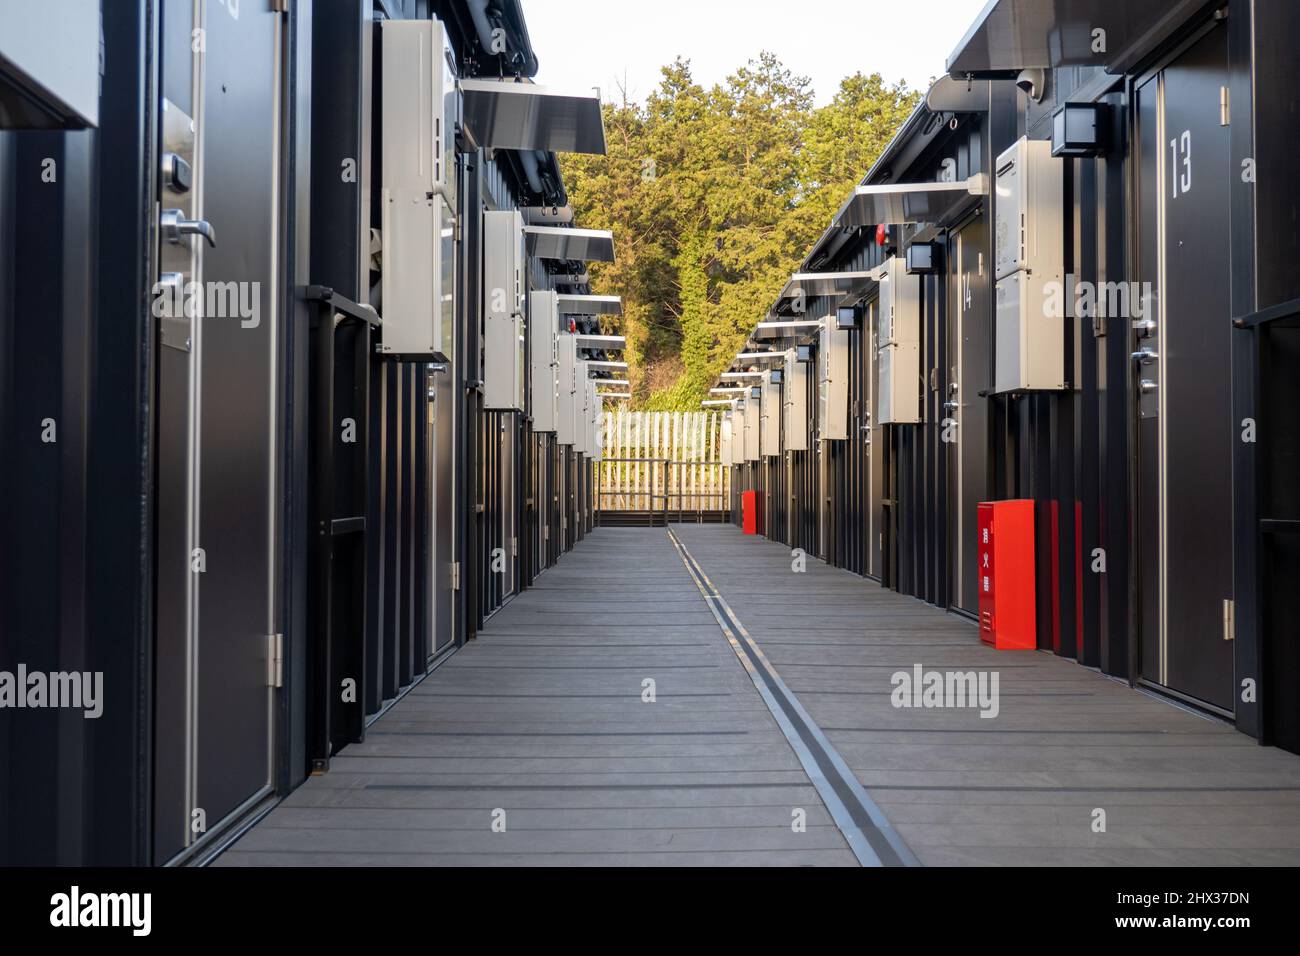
[841, 285]
[579, 245]
[503, 114]
[824, 283]
[781, 330]
[1013, 35]
[905, 203]
[590, 304]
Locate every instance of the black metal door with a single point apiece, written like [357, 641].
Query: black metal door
[965, 411]
[218, 416]
[1183, 376]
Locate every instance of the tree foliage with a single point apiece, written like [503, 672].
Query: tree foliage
[714, 197]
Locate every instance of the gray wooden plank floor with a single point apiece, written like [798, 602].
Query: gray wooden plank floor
[1178, 788]
[542, 717]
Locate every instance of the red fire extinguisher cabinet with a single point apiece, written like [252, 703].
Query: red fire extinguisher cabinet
[1006, 575]
[749, 509]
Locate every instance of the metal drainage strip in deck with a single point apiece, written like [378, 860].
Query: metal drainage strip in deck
[871, 838]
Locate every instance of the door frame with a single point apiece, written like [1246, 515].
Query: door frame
[1134, 82]
[954, 333]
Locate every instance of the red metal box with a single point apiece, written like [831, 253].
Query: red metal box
[1005, 559]
[749, 504]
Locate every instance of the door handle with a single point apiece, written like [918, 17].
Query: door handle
[1144, 356]
[175, 227]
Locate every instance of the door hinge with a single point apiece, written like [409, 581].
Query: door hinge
[455, 575]
[279, 6]
[1225, 113]
[275, 660]
[514, 547]
[1229, 619]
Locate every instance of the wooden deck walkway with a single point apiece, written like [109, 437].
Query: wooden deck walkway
[542, 716]
[1179, 789]
[540, 724]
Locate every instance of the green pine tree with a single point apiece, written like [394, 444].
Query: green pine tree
[715, 197]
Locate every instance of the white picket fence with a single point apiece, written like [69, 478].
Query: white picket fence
[648, 456]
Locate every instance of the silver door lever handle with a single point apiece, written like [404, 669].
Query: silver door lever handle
[175, 226]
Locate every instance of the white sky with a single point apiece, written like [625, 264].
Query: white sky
[582, 44]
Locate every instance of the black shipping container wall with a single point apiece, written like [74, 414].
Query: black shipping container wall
[225, 638]
[76, 256]
[1081, 454]
[336, 547]
[534, 496]
[123, 395]
[1266, 286]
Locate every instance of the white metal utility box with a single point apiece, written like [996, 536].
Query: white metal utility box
[593, 419]
[1028, 256]
[418, 225]
[770, 416]
[832, 381]
[898, 345]
[794, 400]
[504, 284]
[738, 434]
[750, 407]
[544, 327]
[725, 453]
[567, 384]
[581, 408]
[421, 107]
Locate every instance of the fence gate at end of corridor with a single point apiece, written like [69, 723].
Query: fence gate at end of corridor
[658, 467]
